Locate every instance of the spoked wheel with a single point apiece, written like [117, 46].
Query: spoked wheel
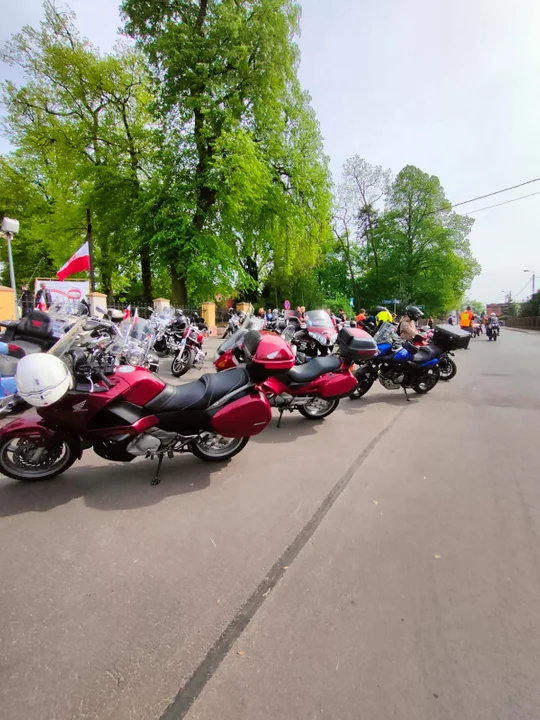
[182, 362]
[212, 447]
[318, 408]
[426, 380]
[364, 384]
[24, 460]
[447, 369]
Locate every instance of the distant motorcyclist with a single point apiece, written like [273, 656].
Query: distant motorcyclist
[492, 327]
[382, 315]
[407, 329]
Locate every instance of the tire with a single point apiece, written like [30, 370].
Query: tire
[319, 408]
[447, 369]
[365, 383]
[426, 380]
[182, 362]
[494, 337]
[205, 447]
[15, 468]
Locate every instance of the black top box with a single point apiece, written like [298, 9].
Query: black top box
[356, 344]
[447, 337]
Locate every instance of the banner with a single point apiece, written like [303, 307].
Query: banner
[65, 289]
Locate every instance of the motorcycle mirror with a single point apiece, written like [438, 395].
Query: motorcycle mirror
[100, 309]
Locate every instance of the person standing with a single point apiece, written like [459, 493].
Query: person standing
[361, 316]
[43, 297]
[466, 319]
[27, 300]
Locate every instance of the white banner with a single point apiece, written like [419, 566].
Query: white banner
[65, 289]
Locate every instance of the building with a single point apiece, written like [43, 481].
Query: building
[497, 308]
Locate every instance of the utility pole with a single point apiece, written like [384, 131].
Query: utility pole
[533, 279]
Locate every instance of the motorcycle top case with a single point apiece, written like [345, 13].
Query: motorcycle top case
[356, 344]
[447, 337]
[267, 355]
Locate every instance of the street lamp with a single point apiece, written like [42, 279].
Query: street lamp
[533, 278]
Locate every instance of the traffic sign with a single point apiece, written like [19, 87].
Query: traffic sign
[287, 305]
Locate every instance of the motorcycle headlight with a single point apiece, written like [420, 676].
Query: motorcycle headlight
[318, 337]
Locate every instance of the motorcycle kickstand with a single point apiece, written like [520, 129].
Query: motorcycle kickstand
[156, 479]
[280, 416]
[406, 394]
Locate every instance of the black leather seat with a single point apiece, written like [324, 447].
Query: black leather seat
[426, 353]
[309, 371]
[200, 394]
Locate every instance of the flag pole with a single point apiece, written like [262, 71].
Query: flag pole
[90, 248]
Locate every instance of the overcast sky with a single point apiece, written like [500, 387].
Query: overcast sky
[452, 87]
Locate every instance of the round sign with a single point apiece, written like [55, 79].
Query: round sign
[219, 297]
[287, 305]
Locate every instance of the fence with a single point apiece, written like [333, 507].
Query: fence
[528, 323]
[145, 309]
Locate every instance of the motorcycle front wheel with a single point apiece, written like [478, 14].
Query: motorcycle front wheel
[22, 459]
[212, 447]
[448, 369]
[426, 380]
[318, 408]
[182, 362]
[365, 383]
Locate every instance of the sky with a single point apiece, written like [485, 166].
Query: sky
[452, 87]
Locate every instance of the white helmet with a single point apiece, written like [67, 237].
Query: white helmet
[42, 379]
[493, 315]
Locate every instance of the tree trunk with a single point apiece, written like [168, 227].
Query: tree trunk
[178, 288]
[146, 271]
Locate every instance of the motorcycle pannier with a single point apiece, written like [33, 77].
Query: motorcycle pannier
[356, 344]
[447, 337]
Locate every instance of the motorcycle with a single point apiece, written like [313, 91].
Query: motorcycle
[189, 352]
[447, 366]
[314, 337]
[123, 411]
[401, 365]
[314, 388]
[235, 320]
[492, 331]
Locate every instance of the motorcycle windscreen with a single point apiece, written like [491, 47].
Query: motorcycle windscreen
[246, 416]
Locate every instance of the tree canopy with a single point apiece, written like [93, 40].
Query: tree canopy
[198, 156]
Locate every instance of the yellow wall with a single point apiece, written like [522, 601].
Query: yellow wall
[7, 303]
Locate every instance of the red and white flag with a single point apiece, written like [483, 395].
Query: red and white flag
[127, 312]
[136, 316]
[77, 263]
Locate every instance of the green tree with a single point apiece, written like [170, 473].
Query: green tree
[82, 122]
[247, 188]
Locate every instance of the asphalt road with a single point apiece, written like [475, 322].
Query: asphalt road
[381, 564]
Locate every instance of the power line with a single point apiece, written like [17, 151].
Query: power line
[497, 192]
[522, 289]
[506, 202]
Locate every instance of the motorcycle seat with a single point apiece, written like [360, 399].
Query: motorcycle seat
[8, 365]
[26, 346]
[200, 394]
[302, 374]
[426, 353]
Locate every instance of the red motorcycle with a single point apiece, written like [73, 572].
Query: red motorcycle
[123, 411]
[314, 388]
[189, 352]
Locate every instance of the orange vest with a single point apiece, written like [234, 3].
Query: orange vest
[465, 318]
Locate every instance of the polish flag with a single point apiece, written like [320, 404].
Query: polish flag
[127, 312]
[76, 263]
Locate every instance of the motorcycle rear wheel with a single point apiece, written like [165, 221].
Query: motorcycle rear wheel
[182, 362]
[447, 369]
[426, 381]
[318, 408]
[16, 459]
[212, 447]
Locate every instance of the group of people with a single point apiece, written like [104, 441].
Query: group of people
[469, 320]
[42, 299]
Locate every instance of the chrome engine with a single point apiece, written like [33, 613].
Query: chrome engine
[391, 380]
[152, 442]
